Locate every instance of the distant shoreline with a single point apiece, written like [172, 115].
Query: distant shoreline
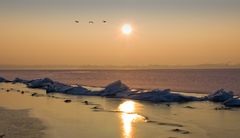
[108, 69]
[117, 67]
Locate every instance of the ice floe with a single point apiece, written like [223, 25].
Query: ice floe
[117, 89]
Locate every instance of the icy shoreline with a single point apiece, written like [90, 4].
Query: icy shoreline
[118, 89]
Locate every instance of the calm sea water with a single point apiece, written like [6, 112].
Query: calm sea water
[76, 119]
[185, 80]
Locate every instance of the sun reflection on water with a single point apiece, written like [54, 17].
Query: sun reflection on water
[128, 117]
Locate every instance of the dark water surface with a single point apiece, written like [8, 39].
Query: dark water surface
[186, 80]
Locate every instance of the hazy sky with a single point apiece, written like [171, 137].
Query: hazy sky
[165, 32]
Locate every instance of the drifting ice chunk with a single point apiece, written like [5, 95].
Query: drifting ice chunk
[163, 96]
[114, 88]
[3, 79]
[220, 96]
[234, 102]
[18, 80]
[78, 91]
[57, 87]
[40, 83]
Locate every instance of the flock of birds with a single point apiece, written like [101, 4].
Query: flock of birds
[91, 22]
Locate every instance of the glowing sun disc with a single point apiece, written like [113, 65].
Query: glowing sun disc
[126, 29]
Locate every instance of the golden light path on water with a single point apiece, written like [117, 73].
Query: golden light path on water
[128, 117]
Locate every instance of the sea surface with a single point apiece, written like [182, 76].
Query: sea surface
[182, 80]
[121, 118]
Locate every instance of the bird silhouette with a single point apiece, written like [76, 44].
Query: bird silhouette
[90, 22]
[76, 21]
[104, 21]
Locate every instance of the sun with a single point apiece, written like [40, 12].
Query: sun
[127, 29]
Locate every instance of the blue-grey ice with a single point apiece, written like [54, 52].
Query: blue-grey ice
[117, 89]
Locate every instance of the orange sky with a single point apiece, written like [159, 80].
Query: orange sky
[187, 34]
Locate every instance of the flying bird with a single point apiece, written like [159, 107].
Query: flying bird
[90, 22]
[76, 21]
[104, 21]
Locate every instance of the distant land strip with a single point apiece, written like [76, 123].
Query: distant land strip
[116, 67]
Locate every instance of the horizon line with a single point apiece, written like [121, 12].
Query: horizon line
[115, 67]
